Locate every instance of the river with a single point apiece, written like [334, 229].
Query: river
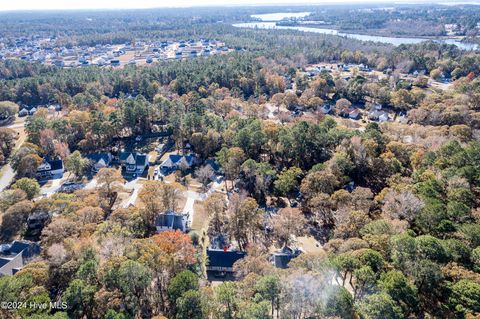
[269, 22]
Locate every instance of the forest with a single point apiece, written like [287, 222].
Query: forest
[392, 207]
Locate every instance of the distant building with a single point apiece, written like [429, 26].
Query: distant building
[171, 221]
[14, 256]
[133, 163]
[351, 112]
[326, 109]
[50, 169]
[380, 116]
[23, 112]
[99, 160]
[282, 257]
[32, 111]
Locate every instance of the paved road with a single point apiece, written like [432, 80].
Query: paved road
[133, 197]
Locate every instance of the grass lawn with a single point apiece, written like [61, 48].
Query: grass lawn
[200, 217]
[310, 245]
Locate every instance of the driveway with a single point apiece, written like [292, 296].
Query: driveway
[6, 176]
[53, 188]
[6, 172]
[135, 186]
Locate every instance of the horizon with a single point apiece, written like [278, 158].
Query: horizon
[53, 5]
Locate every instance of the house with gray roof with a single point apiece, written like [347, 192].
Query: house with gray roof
[14, 256]
[133, 163]
[171, 220]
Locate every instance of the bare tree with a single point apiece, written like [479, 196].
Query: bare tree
[402, 205]
[205, 175]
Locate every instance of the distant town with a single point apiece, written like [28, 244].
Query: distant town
[45, 51]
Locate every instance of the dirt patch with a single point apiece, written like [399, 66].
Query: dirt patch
[200, 218]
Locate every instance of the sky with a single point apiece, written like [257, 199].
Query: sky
[122, 4]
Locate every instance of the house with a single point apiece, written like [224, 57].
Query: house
[213, 165]
[15, 255]
[171, 220]
[220, 262]
[351, 112]
[133, 163]
[175, 161]
[282, 257]
[32, 111]
[50, 169]
[54, 108]
[99, 160]
[23, 112]
[326, 109]
[380, 116]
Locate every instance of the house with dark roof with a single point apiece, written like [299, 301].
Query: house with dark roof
[99, 160]
[220, 263]
[133, 163]
[176, 161]
[282, 257]
[351, 112]
[16, 255]
[171, 220]
[50, 169]
[213, 165]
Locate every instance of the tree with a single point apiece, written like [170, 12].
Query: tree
[402, 99]
[109, 183]
[158, 197]
[342, 104]
[216, 205]
[286, 223]
[179, 285]
[339, 303]
[7, 143]
[269, 287]
[226, 296]
[8, 110]
[133, 280]
[205, 175]
[79, 297]
[244, 219]
[14, 219]
[476, 258]
[402, 205]
[288, 181]
[464, 297]
[76, 164]
[397, 286]
[230, 159]
[379, 306]
[29, 185]
[177, 248]
[189, 306]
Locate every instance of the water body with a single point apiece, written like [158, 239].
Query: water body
[280, 16]
[270, 24]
